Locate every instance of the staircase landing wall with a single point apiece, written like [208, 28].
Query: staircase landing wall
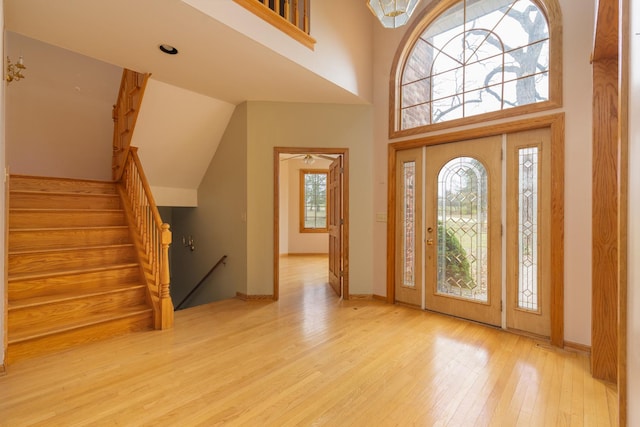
[58, 118]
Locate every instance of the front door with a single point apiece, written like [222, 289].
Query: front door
[452, 251]
[462, 221]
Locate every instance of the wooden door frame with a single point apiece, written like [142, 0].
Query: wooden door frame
[344, 152]
[555, 122]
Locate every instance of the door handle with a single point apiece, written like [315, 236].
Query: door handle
[430, 242]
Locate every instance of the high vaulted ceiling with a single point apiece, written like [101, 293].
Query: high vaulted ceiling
[213, 60]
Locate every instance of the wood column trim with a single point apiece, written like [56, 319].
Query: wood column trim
[623, 129]
[607, 190]
[605, 246]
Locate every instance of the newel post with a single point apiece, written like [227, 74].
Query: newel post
[166, 305]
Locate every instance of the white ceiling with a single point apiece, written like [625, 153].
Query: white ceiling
[214, 59]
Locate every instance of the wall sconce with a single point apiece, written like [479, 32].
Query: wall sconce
[188, 243]
[14, 71]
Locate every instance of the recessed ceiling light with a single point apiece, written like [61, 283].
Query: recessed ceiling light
[168, 49]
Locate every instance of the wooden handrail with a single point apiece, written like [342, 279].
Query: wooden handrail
[195, 288]
[125, 115]
[153, 236]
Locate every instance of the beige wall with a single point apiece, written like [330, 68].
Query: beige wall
[302, 243]
[633, 344]
[71, 97]
[307, 125]
[578, 36]
[218, 225]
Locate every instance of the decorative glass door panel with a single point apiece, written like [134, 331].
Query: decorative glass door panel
[409, 223]
[463, 193]
[528, 231]
[462, 230]
[409, 259]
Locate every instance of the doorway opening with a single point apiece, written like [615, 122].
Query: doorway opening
[311, 206]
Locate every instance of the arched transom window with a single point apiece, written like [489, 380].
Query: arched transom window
[476, 57]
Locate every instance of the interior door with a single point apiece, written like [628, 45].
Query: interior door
[409, 280]
[335, 225]
[463, 191]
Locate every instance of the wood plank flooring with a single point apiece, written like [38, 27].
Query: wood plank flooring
[309, 359]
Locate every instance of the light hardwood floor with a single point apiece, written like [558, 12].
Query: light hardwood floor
[309, 359]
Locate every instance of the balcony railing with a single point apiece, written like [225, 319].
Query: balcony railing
[290, 16]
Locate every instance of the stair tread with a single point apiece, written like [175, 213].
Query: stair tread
[71, 249]
[68, 296]
[65, 210]
[69, 272]
[56, 184]
[59, 178]
[75, 227]
[63, 193]
[52, 328]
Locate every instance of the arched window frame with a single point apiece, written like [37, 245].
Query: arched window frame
[551, 10]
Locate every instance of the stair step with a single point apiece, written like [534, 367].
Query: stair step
[90, 329]
[25, 264]
[73, 271]
[35, 286]
[47, 218]
[58, 238]
[60, 185]
[35, 315]
[57, 297]
[51, 200]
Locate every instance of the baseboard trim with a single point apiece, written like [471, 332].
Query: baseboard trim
[245, 297]
[305, 254]
[3, 370]
[568, 345]
[363, 297]
[379, 298]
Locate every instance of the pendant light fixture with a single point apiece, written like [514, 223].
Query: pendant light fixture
[392, 13]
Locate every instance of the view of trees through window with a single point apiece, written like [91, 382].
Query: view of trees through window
[479, 56]
[314, 200]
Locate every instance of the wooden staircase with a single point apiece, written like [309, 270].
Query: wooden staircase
[73, 270]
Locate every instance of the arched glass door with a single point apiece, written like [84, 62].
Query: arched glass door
[463, 183]
[462, 230]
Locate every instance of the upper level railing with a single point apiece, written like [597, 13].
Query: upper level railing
[125, 114]
[290, 16]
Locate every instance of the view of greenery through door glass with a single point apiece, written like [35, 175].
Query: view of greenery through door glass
[463, 229]
[313, 199]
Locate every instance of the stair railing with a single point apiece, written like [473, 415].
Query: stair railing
[125, 114]
[155, 237]
[206, 276]
[289, 16]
